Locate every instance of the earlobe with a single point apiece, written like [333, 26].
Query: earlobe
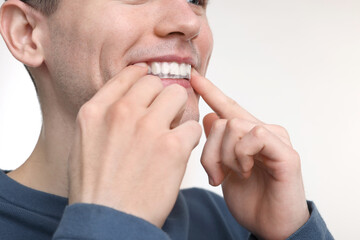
[19, 28]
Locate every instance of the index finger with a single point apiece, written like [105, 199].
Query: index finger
[223, 106]
[116, 87]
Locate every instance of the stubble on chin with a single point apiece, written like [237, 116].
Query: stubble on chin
[187, 115]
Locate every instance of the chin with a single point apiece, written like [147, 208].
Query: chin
[188, 114]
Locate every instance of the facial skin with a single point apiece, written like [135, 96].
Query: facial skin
[90, 41]
[75, 52]
[129, 146]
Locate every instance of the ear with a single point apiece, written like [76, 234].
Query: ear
[20, 26]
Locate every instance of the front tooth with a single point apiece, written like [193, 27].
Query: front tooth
[174, 68]
[188, 70]
[155, 68]
[183, 69]
[165, 68]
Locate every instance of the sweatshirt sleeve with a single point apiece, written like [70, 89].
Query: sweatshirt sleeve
[94, 222]
[314, 229]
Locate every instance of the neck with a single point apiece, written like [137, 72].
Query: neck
[46, 168]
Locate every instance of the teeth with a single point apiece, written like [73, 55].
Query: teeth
[155, 68]
[183, 69]
[165, 68]
[170, 70]
[174, 68]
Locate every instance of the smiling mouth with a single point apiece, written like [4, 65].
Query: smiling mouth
[170, 70]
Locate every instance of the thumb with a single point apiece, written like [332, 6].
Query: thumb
[208, 121]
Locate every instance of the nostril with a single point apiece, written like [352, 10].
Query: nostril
[177, 33]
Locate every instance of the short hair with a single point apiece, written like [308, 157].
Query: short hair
[45, 6]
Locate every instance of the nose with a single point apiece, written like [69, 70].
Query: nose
[177, 17]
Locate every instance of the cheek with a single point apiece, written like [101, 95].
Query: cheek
[113, 55]
[205, 46]
[74, 48]
[123, 33]
[72, 62]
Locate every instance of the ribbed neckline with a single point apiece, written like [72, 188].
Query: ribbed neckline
[30, 199]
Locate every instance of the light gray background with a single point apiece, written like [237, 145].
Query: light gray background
[293, 63]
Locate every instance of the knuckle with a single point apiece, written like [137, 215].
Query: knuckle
[120, 110]
[172, 143]
[87, 112]
[280, 130]
[240, 152]
[204, 162]
[233, 124]
[259, 131]
[294, 158]
[219, 124]
[145, 124]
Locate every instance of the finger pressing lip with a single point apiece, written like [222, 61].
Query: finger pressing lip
[224, 106]
[141, 64]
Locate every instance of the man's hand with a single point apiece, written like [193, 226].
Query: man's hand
[259, 170]
[125, 155]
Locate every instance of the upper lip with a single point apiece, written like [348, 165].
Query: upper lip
[171, 58]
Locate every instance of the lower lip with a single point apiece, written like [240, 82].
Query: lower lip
[182, 82]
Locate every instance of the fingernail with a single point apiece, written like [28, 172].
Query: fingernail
[194, 72]
[141, 64]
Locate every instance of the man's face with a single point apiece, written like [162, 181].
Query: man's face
[90, 41]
